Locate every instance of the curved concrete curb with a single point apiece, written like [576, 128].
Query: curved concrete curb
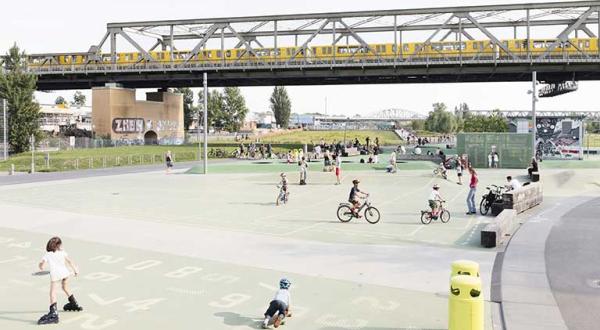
[527, 299]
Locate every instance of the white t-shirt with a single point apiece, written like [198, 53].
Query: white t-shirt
[435, 195]
[338, 162]
[283, 295]
[514, 184]
[57, 265]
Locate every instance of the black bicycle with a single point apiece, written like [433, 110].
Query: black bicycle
[345, 214]
[493, 195]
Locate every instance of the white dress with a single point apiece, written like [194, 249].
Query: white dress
[57, 265]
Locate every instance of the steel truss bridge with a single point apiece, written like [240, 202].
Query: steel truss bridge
[554, 21]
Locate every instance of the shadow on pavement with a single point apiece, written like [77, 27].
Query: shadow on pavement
[234, 319]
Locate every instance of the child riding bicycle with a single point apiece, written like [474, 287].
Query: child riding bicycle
[354, 196]
[435, 200]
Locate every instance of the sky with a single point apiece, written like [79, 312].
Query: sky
[68, 25]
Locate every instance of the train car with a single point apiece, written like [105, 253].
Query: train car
[573, 48]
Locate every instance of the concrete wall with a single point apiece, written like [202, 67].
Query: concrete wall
[117, 115]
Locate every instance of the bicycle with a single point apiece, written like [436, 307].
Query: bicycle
[371, 213]
[438, 172]
[443, 215]
[494, 195]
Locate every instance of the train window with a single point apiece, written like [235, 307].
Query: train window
[228, 53]
[405, 47]
[517, 44]
[219, 53]
[539, 44]
[587, 44]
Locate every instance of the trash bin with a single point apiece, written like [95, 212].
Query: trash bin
[465, 305]
[465, 267]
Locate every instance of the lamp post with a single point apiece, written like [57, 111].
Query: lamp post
[534, 100]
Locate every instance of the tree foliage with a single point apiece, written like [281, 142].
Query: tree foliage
[281, 106]
[417, 124]
[480, 123]
[78, 99]
[235, 108]
[189, 110]
[17, 87]
[226, 110]
[440, 120]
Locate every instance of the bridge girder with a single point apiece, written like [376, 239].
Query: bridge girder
[490, 22]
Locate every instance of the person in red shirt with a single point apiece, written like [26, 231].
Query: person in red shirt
[472, 190]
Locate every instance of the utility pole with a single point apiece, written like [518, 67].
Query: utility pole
[4, 131]
[205, 167]
[32, 139]
[533, 115]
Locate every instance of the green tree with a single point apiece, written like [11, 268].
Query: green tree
[417, 124]
[216, 109]
[235, 110]
[17, 87]
[440, 120]
[78, 99]
[480, 123]
[189, 110]
[60, 101]
[281, 106]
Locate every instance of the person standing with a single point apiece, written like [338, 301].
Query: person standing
[338, 168]
[303, 171]
[169, 161]
[459, 170]
[393, 162]
[472, 190]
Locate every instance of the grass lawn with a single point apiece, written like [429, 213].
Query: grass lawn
[310, 137]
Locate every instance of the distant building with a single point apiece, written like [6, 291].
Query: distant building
[56, 118]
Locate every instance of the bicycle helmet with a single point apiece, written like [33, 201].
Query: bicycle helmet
[284, 283]
[436, 186]
[282, 174]
[355, 181]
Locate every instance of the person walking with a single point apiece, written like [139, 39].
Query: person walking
[169, 161]
[472, 190]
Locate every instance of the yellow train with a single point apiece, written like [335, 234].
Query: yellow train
[450, 50]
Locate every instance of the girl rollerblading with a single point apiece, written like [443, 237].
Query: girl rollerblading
[58, 260]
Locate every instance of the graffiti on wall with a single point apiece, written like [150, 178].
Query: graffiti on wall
[559, 138]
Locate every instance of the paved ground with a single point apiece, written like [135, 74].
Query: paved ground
[574, 267]
[184, 251]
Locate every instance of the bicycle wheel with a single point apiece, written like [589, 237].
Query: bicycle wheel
[372, 215]
[445, 216]
[344, 213]
[484, 207]
[425, 217]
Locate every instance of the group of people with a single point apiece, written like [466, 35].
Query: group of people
[254, 151]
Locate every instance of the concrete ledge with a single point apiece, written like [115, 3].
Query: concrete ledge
[493, 234]
[523, 199]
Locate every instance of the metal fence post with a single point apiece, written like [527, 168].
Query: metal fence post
[104, 162]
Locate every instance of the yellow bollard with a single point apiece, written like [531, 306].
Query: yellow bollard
[465, 305]
[465, 267]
